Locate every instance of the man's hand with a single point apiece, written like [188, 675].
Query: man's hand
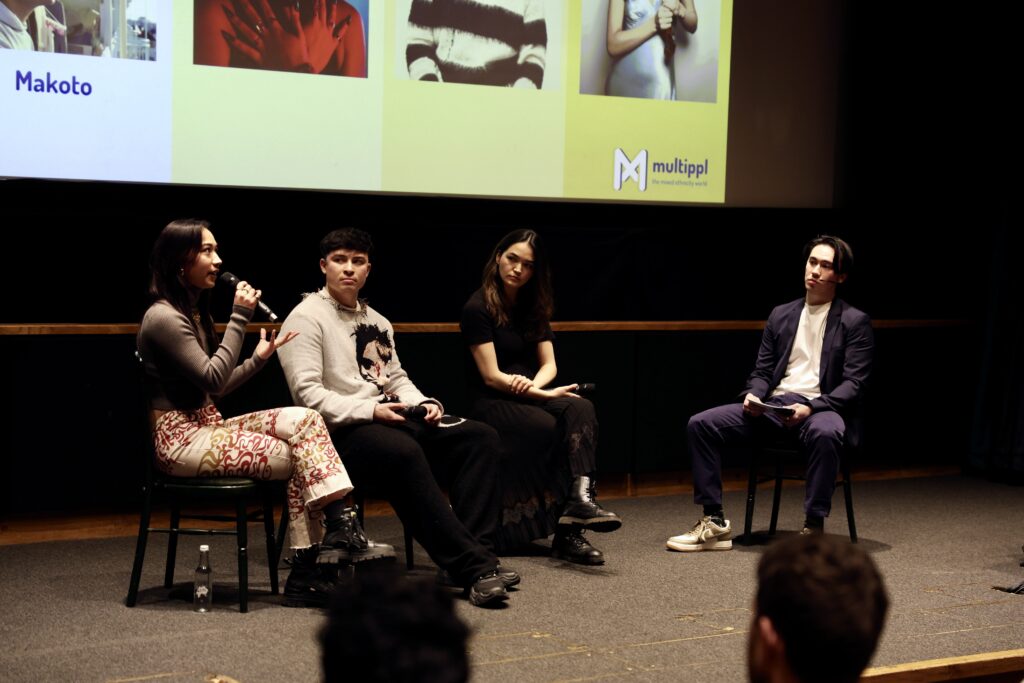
[801, 412]
[434, 413]
[385, 412]
[752, 406]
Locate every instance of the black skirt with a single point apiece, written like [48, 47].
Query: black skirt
[544, 446]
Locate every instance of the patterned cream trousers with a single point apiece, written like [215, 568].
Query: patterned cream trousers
[283, 443]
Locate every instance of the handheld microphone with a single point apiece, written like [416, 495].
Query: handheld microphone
[232, 279]
[413, 412]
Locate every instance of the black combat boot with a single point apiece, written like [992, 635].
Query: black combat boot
[581, 509]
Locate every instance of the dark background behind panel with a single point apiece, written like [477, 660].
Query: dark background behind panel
[920, 181]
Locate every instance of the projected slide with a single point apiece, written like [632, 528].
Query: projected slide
[621, 100]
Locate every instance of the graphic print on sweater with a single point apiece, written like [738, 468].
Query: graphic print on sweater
[374, 350]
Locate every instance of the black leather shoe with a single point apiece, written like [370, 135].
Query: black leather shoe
[572, 546]
[508, 576]
[344, 541]
[488, 589]
[581, 509]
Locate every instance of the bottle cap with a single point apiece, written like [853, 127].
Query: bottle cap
[204, 548]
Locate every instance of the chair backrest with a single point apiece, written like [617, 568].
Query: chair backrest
[145, 419]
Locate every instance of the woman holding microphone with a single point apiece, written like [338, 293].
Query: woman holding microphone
[187, 367]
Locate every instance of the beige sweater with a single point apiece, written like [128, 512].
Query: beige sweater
[344, 362]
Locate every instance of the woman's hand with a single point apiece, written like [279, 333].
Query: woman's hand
[281, 43]
[562, 392]
[246, 295]
[325, 34]
[266, 348]
[665, 17]
[518, 384]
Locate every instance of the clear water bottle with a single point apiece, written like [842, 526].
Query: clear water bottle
[202, 589]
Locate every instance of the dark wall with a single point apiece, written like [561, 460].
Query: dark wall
[84, 258]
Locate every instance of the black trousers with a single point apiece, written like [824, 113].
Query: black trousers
[404, 462]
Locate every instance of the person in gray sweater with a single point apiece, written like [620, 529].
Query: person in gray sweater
[344, 365]
[186, 368]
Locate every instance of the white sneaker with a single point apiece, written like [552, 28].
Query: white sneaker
[705, 535]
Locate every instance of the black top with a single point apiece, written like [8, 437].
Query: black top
[515, 348]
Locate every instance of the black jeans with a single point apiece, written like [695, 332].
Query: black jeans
[403, 463]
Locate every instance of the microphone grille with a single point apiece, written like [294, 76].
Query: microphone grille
[229, 278]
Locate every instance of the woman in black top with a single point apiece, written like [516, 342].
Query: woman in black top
[550, 433]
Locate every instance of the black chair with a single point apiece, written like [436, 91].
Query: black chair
[238, 491]
[787, 447]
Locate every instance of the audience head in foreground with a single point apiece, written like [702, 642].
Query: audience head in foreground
[819, 611]
[385, 627]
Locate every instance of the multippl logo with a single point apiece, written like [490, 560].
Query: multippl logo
[630, 169]
[626, 169]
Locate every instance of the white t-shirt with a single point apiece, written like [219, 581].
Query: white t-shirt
[805, 359]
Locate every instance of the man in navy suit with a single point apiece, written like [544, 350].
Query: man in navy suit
[814, 360]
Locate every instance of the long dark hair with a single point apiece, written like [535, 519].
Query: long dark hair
[534, 302]
[174, 251]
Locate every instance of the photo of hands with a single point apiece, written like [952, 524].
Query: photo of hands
[310, 36]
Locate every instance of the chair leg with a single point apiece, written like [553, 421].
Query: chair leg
[140, 547]
[777, 498]
[268, 528]
[848, 496]
[408, 547]
[751, 494]
[282, 531]
[172, 543]
[242, 525]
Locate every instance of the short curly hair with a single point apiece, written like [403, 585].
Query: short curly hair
[385, 627]
[346, 238]
[827, 601]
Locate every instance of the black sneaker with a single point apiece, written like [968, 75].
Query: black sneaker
[572, 546]
[509, 577]
[488, 589]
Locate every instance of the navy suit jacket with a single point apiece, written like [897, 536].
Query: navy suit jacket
[846, 355]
